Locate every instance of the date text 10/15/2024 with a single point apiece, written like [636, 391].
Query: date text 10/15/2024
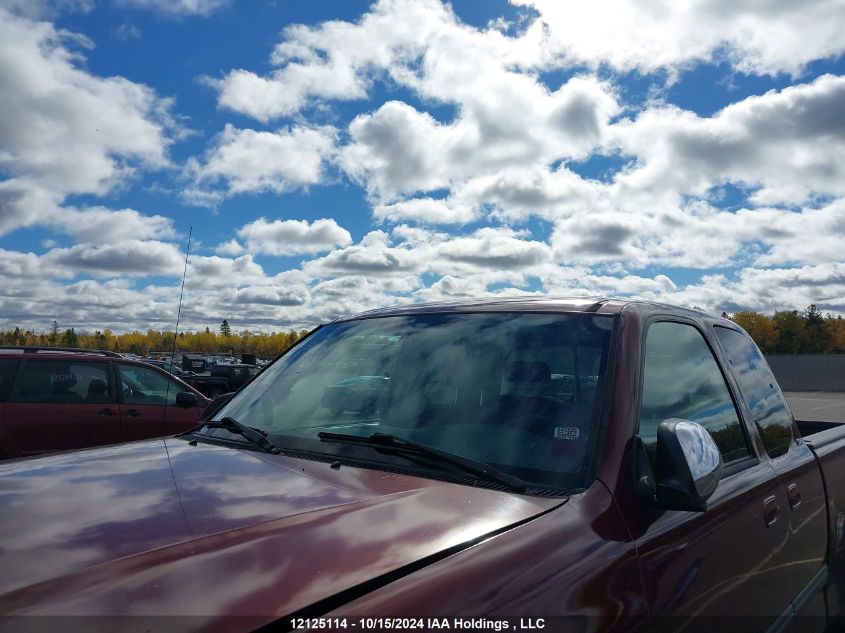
[417, 624]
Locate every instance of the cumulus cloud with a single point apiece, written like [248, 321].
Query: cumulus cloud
[755, 36]
[66, 131]
[488, 132]
[131, 258]
[334, 60]
[292, 237]
[177, 8]
[254, 161]
[99, 224]
[495, 249]
[769, 143]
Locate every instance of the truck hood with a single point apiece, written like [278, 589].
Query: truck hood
[164, 528]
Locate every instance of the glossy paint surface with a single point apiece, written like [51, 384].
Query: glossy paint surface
[576, 564]
[118, 531]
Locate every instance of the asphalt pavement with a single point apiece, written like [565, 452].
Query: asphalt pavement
[825, 406]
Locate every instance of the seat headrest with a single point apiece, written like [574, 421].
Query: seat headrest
[528, 371]
[96, 387]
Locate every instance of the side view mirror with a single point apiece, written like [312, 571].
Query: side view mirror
[215, 405]
[186, 399]
[689, 466]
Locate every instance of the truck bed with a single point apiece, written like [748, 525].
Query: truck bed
[817, 412]
[821, 406]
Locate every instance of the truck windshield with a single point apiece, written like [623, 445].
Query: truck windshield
[518, 391]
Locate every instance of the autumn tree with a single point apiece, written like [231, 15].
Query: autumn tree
[760, 327]
[791, 334]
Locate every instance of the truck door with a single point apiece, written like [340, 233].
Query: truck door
[720, 562]
[801, 498]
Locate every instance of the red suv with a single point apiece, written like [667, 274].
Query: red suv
[59, 399]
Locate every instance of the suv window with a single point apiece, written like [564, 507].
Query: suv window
[7, 375]
[765, 401]
[682, 380]
[62, 380]
[141, 385]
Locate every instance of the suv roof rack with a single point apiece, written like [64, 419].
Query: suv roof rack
[71, 350]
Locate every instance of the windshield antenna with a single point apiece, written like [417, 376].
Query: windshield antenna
[178, 316]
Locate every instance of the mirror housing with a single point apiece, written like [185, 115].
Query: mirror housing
[215, 405]
[689, 465]
[186, 399]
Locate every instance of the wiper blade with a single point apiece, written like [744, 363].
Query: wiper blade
[256, 437]
[399, 444]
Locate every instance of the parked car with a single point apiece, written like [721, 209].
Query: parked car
[223, 379]
[54, 400]
[571, 465]
[170, 368]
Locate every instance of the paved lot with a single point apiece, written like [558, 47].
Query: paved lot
[826, 406]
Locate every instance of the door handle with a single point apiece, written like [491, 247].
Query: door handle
[133, 413]
[771, 510]
[106, 412]
[794, 495]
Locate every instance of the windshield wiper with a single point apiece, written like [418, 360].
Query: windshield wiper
[254, 436]
[402, 445]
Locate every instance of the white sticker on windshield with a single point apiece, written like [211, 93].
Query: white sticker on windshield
[567, 432]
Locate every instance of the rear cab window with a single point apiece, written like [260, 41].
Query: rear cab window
[769, 411]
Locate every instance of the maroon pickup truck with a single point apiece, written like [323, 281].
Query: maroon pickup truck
[567, 465]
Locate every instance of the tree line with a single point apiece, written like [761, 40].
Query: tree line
[794, 332]
[225, 341]
[785, 332]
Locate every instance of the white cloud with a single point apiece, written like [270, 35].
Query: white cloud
[398, 150]
[46, 8]
[177, 8]
[426, 211]
[101, 225]
[292, 237]
[131, 258]
[64, 130]
[495, 249]
[126, 32]
[232, 247]
[755, 36]
[254, 161]
[335, 59]
[771, 142]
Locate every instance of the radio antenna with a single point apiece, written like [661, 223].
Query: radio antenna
[178, 316]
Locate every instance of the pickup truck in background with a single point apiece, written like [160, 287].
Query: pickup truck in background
[224, 378]
[566, 464]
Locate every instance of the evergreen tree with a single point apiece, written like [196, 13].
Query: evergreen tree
[815, 330]
[225, 330]
[54, 334]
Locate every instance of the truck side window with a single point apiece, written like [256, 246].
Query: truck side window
[682, 380]
[765, 401]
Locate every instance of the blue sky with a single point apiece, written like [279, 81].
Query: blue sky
[338, 156]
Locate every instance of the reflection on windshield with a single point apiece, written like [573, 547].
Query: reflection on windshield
[514, 390]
